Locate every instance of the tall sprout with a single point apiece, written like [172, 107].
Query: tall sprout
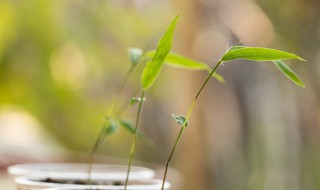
[110, 122]
[156, 59]
[237, 52]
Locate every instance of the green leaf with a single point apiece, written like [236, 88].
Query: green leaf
[112, 127]
[288, 72]
[136, 100]
[153, 67]
[257, 54]
[179, 61]
[130, 128]
[218, 77]
[135, 55]
[180, 119]
[127, 125]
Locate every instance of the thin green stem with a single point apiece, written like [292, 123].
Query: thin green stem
[120, 90]
[185, 122]
[133, 145]
[106, 121]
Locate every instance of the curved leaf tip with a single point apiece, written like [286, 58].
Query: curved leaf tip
[288, 72]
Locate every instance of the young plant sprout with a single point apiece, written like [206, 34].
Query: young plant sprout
[155, 60]
[237, 52]
[110, 124]
[150, 72]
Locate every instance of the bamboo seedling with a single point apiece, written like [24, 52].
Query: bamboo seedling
[111, 121]
[155, 60]
[237, 52]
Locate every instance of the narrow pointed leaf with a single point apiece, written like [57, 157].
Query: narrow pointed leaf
[289, 73]
[135, 55]
[153, 67]
[258, 54]
[218, 77]
[130, 128]
[179, 61]
[180, 119]
[127, 125]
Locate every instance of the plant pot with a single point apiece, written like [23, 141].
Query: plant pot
[65, 181]
[104, 171]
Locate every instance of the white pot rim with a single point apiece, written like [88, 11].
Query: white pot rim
[103, 171]
[150, 184]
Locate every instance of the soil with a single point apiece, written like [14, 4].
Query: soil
[81, 182]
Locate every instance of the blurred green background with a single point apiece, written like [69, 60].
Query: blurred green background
[61, 63]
